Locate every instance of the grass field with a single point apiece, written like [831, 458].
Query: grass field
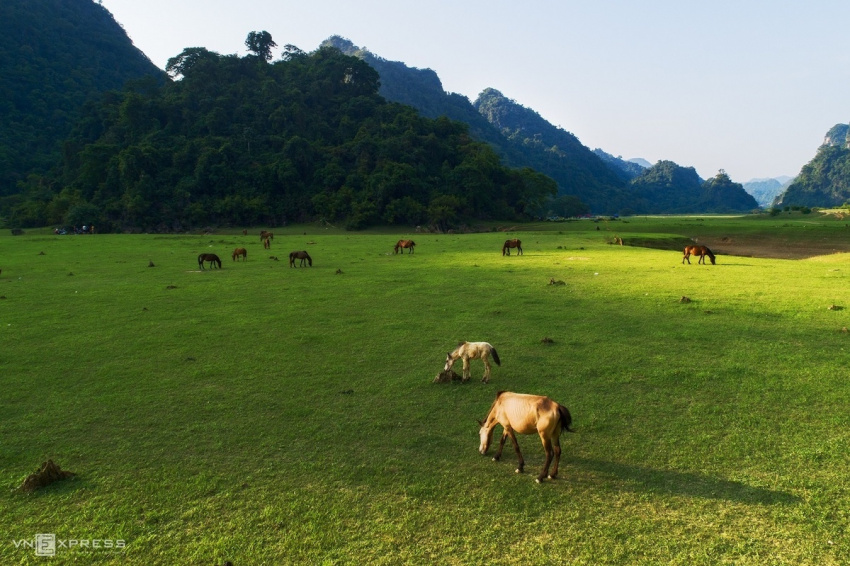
[264, 414]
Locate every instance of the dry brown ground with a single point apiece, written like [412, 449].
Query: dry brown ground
[773, 246]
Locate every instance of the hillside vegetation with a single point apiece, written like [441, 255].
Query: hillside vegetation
[240, 141]
[587, 180]
[55, 55]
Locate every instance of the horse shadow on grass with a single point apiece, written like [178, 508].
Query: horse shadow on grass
[686, 484]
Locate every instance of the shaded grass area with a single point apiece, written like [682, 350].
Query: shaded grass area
[267, 414]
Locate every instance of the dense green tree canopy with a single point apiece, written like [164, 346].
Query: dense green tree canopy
[307, 137]
[54, 55]
[670, 188]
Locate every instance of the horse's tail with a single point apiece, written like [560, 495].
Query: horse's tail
[495, 356]
[566, 418]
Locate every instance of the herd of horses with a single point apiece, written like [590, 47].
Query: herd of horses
[516, 413]
[302, 256]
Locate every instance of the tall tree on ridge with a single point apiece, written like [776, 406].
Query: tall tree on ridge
[260, 43]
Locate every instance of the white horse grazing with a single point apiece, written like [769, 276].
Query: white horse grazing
[470, 351]
[527, 414]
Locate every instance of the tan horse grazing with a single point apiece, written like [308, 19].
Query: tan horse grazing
[701, 251]
[212, 258]
[401, 244]
[526, 414]
[240, 252]
[265, 235]
[506, 248]
[303, 256]
[470, 351]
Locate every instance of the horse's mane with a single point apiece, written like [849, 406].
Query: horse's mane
[496, 400]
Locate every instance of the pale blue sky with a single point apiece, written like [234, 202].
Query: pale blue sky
[748, 86]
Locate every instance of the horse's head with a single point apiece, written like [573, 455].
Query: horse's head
[485, 435]
[449, 362]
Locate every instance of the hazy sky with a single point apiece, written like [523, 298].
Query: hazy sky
[748, 86]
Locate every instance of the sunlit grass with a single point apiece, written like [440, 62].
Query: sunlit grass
[267, 414]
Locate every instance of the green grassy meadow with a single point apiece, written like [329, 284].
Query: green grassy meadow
[264, 414]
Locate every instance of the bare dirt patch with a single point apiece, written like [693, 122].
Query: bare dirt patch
[772, 246]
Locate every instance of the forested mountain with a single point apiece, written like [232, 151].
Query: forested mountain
[54, 55]
[765, 191]
[243, 141]
[519, 135]
[578, 171]
[627, 170]
[825, 180]
[587, 180]
[671, 189]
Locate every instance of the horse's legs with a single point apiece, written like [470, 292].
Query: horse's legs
[498, 455]
[557, 446]
[521, 463]
[547, 447]
[465, 369]
[687, 257]
[519, 250]
[486, 361]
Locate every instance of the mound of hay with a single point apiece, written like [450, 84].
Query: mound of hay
[834, 308]
[447, 377]
[48, 474]
[685, 300]
[554, 281]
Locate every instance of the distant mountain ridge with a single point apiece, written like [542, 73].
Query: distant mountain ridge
[627, 168]
[524, 139]
[573, 167]
[765, 191]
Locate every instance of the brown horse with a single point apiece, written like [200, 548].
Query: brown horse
[267, 243]
[470, 351]
[526, 414]
[506, 249]
[701, 251]
[401, 244]
[240, 252]
[303, 256]
[265, 235]
[212, 258]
